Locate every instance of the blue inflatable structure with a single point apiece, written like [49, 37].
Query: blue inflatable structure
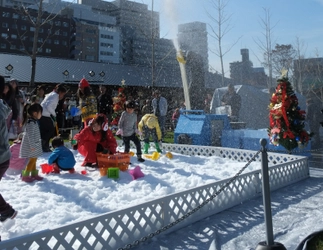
[217, 130]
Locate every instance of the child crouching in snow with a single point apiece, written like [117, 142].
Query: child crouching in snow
[61, 158]
[31, 142]
[96, 137]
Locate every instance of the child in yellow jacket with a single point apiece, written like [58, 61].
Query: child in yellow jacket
[149, 125]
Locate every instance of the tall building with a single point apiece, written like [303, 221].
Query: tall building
[17, 34]
[139, 28]
[193, 37]
[243, 72]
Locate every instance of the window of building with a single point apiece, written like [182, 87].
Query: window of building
[64, 43]
[23, 27]
[4, 35]
[41, 30]
[90, 31]
[21, 47]
[32, 28]
[65, 24]
[3, 46]
[57, 32]
[12, 46]
[14, 26]
[15, 16]
[40, 50]
[56, 42]
[48, 51]
[64, 33]
[89, 58]
[57, 23]
[91, 40]
[106, 53]
[40, 39]
[13, 36]
[5, 14]
[4, 25]
[24, 18]
[49, 41]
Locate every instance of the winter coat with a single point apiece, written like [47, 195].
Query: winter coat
[63, 156]
[31, 142]
[5, 111]
[87, 141]
[162, 106]
[105, 104]
[151, 122]
[88, 107]
[128, 123]
[49, 104]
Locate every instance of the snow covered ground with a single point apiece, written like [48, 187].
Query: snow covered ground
[65, 198]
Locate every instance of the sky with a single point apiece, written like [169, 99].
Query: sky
[65, 198]
[289, 19]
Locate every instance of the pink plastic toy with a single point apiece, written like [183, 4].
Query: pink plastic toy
[16, 164]
[136, 173]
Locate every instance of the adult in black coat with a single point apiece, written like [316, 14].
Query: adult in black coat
[105, 103]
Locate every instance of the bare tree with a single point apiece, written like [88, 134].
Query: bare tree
[42, 19]
[222, 25]
[282, 57]
[266, 45]
[299, 55]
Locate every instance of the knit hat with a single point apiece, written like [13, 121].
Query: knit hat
[84, 83]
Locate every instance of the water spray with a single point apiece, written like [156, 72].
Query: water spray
[180, 58]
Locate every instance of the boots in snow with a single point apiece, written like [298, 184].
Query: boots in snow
[140, 159]
[34, 174]
[157, 147]
[25, 176]
[56, 169]
[146, 147]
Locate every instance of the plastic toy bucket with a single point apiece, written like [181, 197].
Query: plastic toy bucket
[46, 168]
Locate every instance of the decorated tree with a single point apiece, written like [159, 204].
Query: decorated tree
[118, 104]
[286, 118]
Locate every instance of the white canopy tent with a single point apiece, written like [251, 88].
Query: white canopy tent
[254, 105]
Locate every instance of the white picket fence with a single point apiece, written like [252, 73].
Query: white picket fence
[116, 229]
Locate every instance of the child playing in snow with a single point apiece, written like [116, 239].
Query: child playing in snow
[61, 158]
[96, 137]
[149, 125]
[31, 146]
[128, 129]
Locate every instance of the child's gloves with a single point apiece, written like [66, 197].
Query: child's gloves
[119, 132]
[138, 132]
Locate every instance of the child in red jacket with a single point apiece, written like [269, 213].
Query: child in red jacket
[97, 137]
